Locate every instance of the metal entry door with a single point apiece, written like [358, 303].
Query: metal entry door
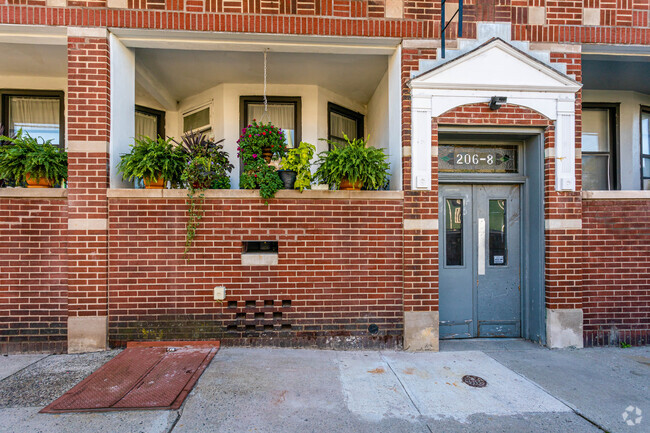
[480, 292]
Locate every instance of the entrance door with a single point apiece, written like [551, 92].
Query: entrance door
[480, 292]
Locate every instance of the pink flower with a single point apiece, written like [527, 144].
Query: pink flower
[255, 155]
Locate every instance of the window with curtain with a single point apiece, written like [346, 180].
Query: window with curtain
[283, 112]
[38, 113]
[598, 147]
[343, 122]
[645, 148]
[149, 122]
[197, 121]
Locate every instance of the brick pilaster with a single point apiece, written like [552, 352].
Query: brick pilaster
[88, 135]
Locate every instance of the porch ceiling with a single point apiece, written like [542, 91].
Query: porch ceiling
[185, 73]
[32, 60]
[606, 72]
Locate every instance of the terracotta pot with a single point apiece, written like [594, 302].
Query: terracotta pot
[41, 183]
[159, 184]
[267, 154]
[347, 185]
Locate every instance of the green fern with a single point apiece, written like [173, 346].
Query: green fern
[151, 158]
[25, 155]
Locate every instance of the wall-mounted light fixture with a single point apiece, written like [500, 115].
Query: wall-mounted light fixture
[497, 101]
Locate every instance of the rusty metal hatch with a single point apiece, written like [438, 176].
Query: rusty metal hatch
[138, 378]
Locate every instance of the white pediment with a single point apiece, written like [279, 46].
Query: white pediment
[496, 65]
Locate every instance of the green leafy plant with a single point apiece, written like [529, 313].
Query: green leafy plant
[256, 173]
[298, 160]
[208, 168]
[152, 158]
[355, 161]
[25, 155]
[625, 345]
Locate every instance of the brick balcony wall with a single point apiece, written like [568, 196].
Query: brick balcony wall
[339, 271]
[616, 297]
[33, 275]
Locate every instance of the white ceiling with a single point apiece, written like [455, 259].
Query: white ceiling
[33, 60]
[185, 73]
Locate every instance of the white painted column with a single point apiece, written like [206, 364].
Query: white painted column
[565, 145]
[421, 144]
[395, 118]
[122, 106]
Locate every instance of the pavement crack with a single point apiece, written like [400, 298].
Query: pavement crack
[383, 358]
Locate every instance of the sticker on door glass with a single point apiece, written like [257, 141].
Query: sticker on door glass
[498, 236]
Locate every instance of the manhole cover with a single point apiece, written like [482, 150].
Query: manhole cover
[475, 381]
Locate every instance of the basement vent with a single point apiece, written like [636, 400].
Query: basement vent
[259, 247]
[232, 304]
[277, 315]
[268, 303]
[250, 304]
[286, 303]
[259, 316]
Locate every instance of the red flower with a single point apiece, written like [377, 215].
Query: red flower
[250, 135]
[263, 133]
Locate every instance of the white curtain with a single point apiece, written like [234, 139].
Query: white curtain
[280, 115]
[340, 125]
[146, 125]
[37, 116]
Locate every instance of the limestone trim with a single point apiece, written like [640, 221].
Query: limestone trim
[252, 194]
[421, 224]
[562, 224]
[87, 224]
[33, 193]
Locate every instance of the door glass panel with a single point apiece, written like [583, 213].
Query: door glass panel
[498, 242]
[454, 232]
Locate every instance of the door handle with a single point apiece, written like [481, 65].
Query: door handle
[481, 246]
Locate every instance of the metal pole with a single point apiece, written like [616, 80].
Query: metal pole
[442, 29]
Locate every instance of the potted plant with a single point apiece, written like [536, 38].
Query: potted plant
[155, 161]
[208, 167]
[40, 165]
[353, 166]
[296, 167]
[255, 140]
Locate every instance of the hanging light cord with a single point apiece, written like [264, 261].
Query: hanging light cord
[265, 101]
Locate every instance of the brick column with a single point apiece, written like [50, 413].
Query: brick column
[421, 318]
[88, 136]
[563, 234]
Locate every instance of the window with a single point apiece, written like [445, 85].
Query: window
[37, 112]
[645, 148]
[283, 112]
[343, 121]
[197, 120]
[598, 147]
[149, 122]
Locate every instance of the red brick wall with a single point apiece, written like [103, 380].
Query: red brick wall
[621, 22]
[340, 268]
[616, 298]
[33, 275]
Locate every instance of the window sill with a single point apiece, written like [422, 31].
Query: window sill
[33, 193]
[616, 195]
[252, 194]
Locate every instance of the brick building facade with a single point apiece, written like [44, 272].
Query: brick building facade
[100, 263]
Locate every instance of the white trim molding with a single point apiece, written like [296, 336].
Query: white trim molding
[87, 32]
[495, 68]
[88, 146]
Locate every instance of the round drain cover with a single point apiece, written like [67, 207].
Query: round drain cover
[373, 329]
[475, 381]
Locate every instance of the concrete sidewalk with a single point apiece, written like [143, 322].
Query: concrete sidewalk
[530, 389]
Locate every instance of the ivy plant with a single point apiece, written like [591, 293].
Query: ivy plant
[153, 158]
[25, 155]
[354, 161]
[299, 160]
[208, 168]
